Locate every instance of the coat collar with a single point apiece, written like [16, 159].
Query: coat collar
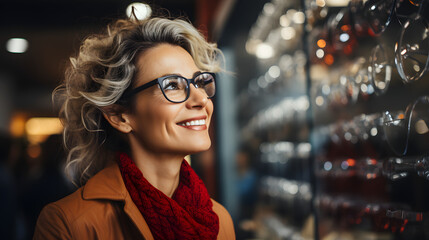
[109, 185]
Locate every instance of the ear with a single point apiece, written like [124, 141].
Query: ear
[117, 118]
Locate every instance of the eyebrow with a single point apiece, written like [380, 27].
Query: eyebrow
[178, 74]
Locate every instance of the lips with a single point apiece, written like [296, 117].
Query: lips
[197, 123]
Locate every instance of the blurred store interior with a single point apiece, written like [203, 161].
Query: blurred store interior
[321, 131]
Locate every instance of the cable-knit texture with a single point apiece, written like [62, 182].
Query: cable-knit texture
[187, 215]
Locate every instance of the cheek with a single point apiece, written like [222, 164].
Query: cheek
[209, 109]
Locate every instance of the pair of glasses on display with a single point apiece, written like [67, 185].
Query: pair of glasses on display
[361, 128]
[363, 18]
[393, 168]
[284, 112]
[363, 77]
[381, 216]
[284, 191]
[285, 150]
[376, 15]
[407, 132]
[412, 49]
[176, 89]
[370, 75]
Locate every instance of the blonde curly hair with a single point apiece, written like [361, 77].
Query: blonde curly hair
[100, 74]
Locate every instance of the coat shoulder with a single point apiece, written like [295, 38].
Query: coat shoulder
[69, 217]
[226, 225]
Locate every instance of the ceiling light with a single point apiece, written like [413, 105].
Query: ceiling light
[141, 10]
[17, 45]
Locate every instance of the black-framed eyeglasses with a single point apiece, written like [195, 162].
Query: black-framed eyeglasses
[176, 88]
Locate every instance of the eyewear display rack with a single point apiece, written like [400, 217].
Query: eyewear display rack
[273, 116]
[338, 120]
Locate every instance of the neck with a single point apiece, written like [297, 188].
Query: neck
[161, 170]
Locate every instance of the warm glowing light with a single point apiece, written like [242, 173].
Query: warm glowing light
[17, 125]
[329, 59]
[351, 162]
[319, 101]
[345, 28]
[421, 127]
[401, 116]
[141, 10]
[284, 21]
[288, 33]
[337, 3]
[299, 17]
[320, 3]
[371, 175]
[269, 9]
[264, 51]
[416, 68]
[43, 126]
[251, 45]
[380, 85]
[373, 131]
[321, 43]
[320, 53]
[17, 45]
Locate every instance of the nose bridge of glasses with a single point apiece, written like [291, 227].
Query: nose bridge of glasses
[197, 89]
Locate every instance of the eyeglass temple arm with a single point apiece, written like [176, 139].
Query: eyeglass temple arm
[140, 88]
[397, 168]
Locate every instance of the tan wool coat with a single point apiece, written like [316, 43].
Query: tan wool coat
[103, 209]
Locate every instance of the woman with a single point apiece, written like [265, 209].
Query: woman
[136, 101]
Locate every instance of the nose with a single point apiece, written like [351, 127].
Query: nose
[197, 98]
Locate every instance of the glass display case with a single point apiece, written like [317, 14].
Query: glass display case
[369, 94]
[335, 120]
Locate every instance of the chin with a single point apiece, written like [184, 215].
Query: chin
[200, 147]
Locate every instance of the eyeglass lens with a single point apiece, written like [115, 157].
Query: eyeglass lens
[378, 14]
[380, 69]
[412, 50]
[408, 132]
[176, 88]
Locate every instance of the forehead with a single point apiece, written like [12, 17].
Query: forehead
[164, 59]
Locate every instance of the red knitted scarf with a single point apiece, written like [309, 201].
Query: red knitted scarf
[187, 215]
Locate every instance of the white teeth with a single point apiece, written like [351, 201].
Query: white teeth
[194, 123]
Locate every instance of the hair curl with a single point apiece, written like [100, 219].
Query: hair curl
[102, 71]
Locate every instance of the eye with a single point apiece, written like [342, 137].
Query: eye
[173, 83]
[203, 79]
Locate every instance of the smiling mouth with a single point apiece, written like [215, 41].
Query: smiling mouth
[201, 122]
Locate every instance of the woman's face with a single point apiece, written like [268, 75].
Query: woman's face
[159, 125]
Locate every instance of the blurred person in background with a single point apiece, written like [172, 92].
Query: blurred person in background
[135, 102]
